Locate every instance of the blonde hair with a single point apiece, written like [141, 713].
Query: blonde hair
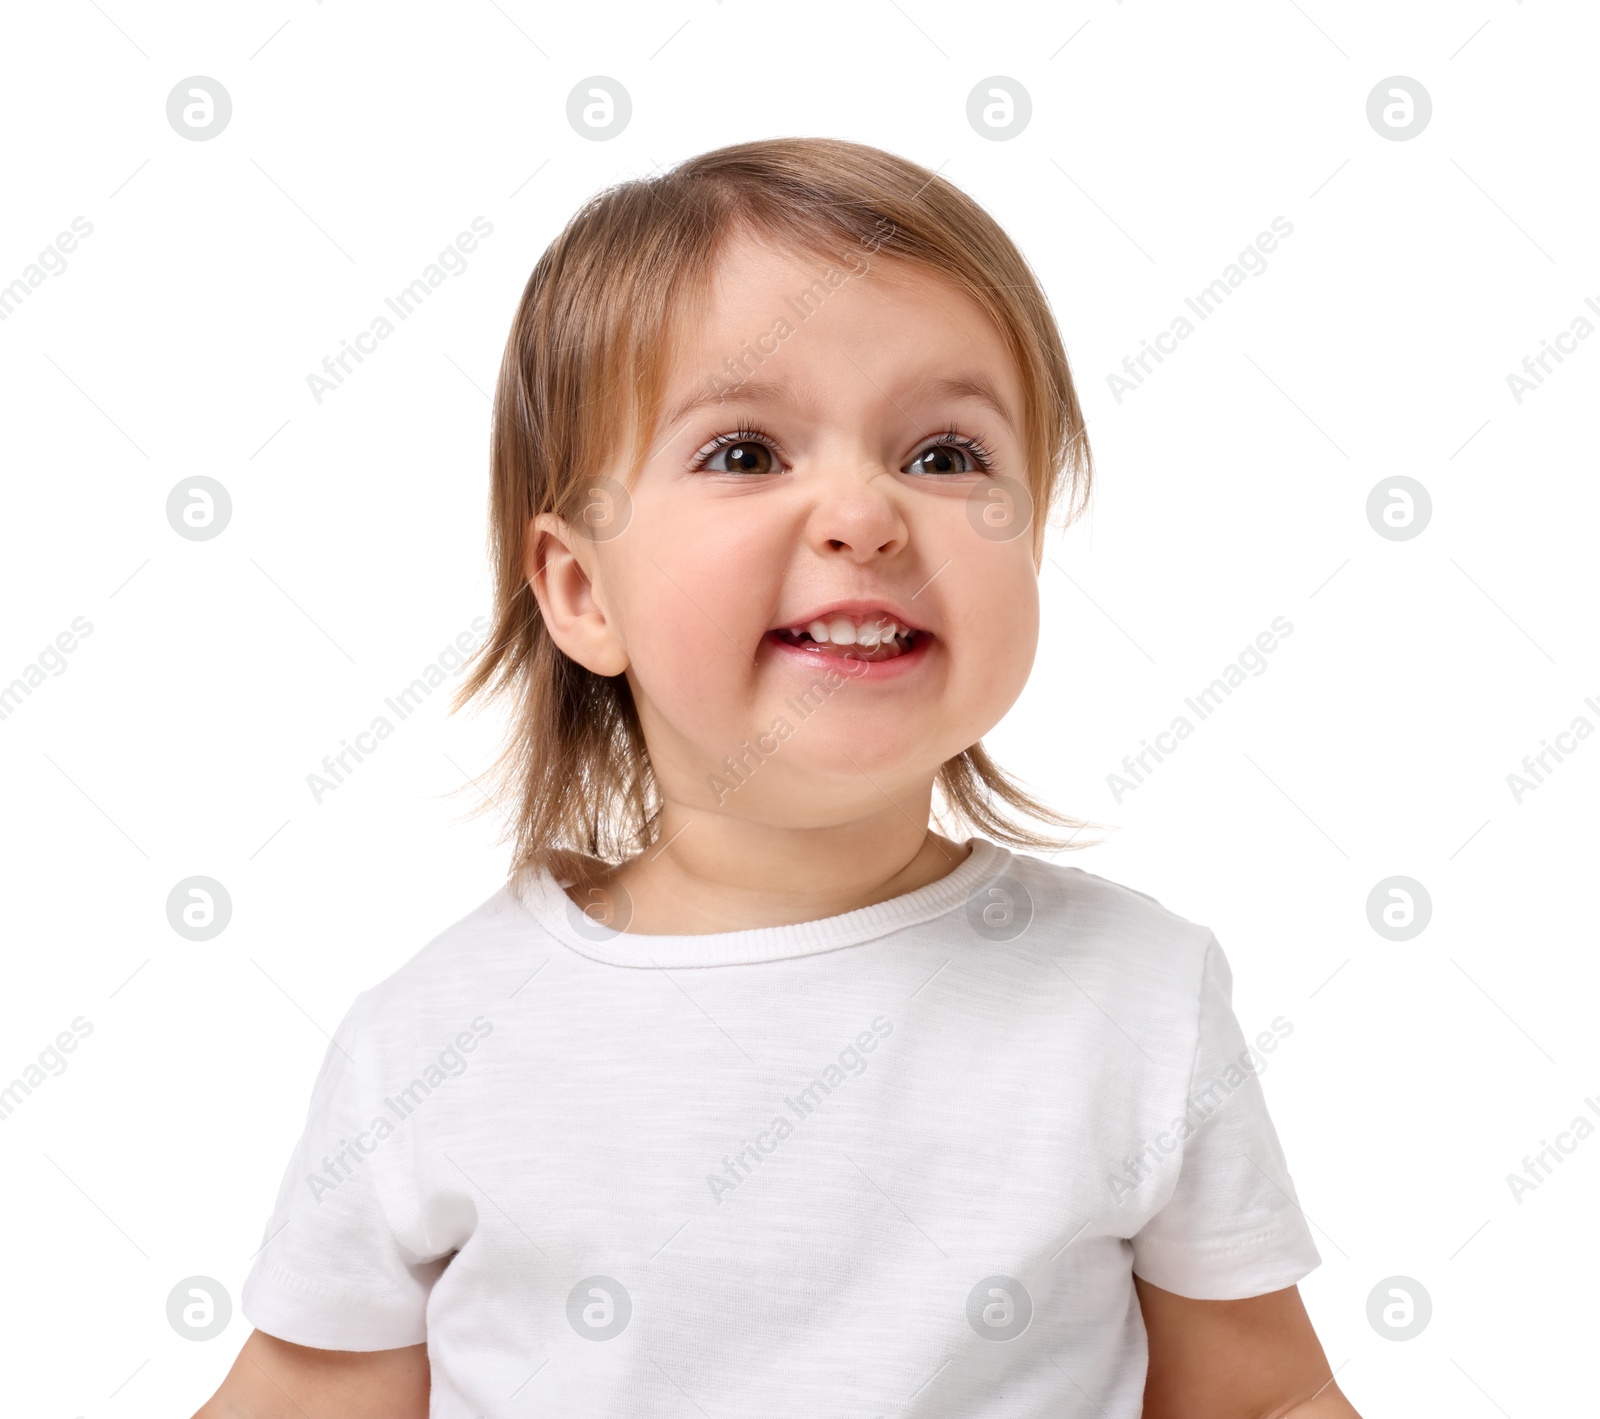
[591, 348]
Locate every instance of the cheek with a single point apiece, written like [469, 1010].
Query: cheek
[1000, 623]
[696, 607]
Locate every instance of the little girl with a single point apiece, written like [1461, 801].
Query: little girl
[749, 1094]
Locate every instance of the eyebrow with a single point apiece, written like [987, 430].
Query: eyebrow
[967, 385]
[970, 386]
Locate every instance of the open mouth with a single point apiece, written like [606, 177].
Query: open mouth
[872, 638]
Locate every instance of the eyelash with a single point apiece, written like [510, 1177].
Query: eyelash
[980, 452]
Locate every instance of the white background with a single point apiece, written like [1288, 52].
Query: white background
[1232, 489]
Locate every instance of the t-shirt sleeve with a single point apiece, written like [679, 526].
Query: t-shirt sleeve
[1232, 1227]
[331, 1273]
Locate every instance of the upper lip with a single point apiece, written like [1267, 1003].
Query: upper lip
[857, 610]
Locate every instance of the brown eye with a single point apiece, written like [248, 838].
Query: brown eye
[742, 452]
[943, 458]
[747, 457]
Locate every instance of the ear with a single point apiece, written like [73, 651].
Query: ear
[562, 566]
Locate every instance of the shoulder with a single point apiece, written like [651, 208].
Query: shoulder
[1099, 906]
[467, 970]
[1126, 935]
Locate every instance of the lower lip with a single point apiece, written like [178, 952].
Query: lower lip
[850, 668]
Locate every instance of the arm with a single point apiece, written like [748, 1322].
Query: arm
[273, 1379]
[1225, 1359]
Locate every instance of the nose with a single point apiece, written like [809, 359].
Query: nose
[856, 512]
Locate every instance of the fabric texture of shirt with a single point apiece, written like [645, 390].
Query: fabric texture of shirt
[901, 1161]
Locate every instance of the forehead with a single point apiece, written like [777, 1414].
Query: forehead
[855, 311]
[752, 269]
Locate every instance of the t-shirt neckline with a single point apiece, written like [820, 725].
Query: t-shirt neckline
[559, 915]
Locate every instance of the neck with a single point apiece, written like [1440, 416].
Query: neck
[710, 872]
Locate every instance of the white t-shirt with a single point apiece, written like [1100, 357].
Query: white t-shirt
[901, 1161]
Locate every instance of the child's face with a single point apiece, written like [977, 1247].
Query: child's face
[859, 496]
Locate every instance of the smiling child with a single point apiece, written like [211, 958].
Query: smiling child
[749, 1092]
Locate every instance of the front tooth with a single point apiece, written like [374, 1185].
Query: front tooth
[871, 635]
[818, 631]
[842, 631]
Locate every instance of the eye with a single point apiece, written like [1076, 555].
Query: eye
[748, 450]
[955, 452]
